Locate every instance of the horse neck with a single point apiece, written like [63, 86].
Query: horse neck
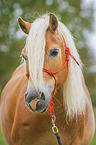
[58, 99]
[59, 106]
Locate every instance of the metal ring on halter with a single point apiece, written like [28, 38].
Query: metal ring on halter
[55, 129]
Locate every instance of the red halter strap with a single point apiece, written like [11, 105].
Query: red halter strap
[51, 104]
[27, 74]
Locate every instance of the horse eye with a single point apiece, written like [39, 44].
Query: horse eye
[54, 52]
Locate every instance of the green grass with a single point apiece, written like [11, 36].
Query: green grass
[94, 139]
[2, 139]
[3, 142]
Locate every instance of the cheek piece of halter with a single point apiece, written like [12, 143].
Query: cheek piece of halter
[51, 104]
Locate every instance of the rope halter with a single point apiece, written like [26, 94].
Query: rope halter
[67, 52]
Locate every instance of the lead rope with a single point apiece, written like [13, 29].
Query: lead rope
[51, 104]
[55, 131]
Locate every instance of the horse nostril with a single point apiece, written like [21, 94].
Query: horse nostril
[42, 96]
[31, 96]
[41, 103]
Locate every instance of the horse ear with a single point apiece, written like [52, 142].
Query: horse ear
[53, 22]
[25, 26]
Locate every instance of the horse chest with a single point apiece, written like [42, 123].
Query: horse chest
[38, 132]
[35, 129]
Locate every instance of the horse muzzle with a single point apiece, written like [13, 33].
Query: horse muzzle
[36, 101]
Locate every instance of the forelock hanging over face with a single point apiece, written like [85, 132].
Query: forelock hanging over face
[35, 46]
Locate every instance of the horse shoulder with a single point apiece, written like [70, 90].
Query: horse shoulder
[89, 118]
[86, 121]
[9, 99]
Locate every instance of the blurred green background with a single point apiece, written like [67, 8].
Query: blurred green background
[78, 15]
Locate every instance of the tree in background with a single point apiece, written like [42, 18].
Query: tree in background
[71, 12]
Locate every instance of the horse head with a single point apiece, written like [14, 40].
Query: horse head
[44, 49]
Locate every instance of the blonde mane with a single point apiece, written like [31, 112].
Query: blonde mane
[73, 93]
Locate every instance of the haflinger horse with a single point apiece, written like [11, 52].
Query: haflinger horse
[48, 84]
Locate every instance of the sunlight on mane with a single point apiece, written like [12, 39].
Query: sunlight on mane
[73, 93]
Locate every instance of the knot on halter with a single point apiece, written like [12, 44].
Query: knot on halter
[51, 103]
[67, 59]
[51, 73]
[27, 74]
[67, 51]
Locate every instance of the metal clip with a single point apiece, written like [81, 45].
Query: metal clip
[54, 127]
[53, 120]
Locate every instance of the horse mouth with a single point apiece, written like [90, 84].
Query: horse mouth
[36, 103]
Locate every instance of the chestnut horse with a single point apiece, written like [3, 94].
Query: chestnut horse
[49, 69]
